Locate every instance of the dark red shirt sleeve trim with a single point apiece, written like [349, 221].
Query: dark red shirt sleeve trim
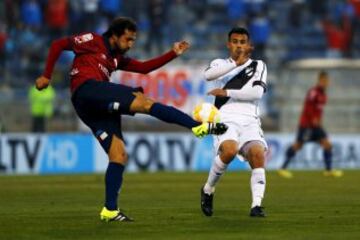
[55, 50]
[149, 65]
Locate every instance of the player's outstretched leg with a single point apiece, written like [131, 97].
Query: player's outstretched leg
[172, 115]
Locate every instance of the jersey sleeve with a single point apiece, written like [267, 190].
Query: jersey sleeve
[83, 43]
[144, 67]
[254, 89]
[55, 50]
[218, 68]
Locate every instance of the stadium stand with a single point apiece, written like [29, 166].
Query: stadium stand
[295, 31]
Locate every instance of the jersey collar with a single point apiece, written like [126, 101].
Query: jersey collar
[108, 46]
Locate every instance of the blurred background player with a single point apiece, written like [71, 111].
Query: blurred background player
[242, 83]
[311, 129]
[100, 103]
[41, 107]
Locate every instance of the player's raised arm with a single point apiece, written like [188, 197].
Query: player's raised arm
[145, 67]
[180, 47]
[218, 68]
[55, 50]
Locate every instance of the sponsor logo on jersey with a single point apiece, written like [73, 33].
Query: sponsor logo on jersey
[104, 70]
[83, 38]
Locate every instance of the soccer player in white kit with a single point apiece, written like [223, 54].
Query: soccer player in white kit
[241, 83]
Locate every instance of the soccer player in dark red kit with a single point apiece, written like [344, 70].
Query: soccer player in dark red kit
[311, 129]
[100, 103]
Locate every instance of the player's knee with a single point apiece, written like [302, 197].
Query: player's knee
[327, 145]
[117, 155]
[141, 103]
[297, 146]
[228, 152]
[117, 152]
[256, 154]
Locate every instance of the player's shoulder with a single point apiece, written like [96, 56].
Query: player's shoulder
[220, 61]
[85, 37]
[260, 63]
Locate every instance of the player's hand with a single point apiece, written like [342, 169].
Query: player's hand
[180, 47]
[218, 92]
[244, 55]
[42, 82]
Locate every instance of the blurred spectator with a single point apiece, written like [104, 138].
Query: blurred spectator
[31, 14]
[156, 16]
[296, 14]
[179, 20]
[3, 37]
[90, 14]
[259, 29]
[356, 25]
[256, 6]
[26, 23]
[42, 107]
[338, 36]
[342, 8]
[134, 8]
[57, 17]
[2, 11]
[237, 12]
[318, 9]
[12, 12]
[111, 8]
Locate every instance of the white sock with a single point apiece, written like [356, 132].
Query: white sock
[258, 183]
[216, 171]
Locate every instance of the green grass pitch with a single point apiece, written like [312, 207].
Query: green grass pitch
[166, 206]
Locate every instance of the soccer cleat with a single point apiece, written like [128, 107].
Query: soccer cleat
[333, 173]
[285, 173]
[257, 211]
[206, 203]
[209, 128]
[114, 215]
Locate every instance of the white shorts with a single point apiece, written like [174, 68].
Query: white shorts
[241, 133]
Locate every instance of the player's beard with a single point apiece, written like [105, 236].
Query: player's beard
[123, 50]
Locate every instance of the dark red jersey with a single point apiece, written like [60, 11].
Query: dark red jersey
[313, 107]
[94, 59]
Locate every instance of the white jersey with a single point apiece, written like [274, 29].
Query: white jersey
[244, 102]
[244, 86]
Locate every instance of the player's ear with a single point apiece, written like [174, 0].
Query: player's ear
[228, 44]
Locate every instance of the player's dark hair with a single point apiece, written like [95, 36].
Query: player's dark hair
[238, 30]
[119, 25]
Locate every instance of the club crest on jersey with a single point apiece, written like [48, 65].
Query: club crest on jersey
[249, 71]
[74, 71]
[83, 38]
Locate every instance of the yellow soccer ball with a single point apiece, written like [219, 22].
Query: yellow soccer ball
[206, 112]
